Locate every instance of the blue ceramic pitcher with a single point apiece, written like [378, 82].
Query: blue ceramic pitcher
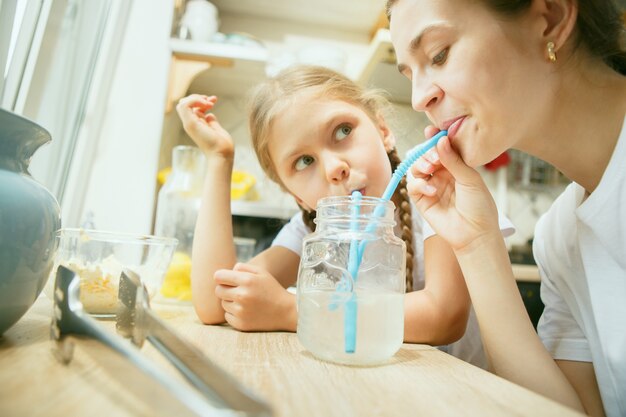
[29, 220]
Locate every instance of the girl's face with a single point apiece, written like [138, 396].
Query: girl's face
[326, 147]
[481, 77]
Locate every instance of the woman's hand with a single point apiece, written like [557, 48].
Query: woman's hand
[203, 127]
[253, 300]
[451, 196]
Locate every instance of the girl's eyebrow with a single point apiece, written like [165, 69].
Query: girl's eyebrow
[415, 43]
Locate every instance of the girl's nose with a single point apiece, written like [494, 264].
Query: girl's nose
[337, 169]
[424, 94]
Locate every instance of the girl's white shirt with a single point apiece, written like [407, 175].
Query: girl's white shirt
[580, 248]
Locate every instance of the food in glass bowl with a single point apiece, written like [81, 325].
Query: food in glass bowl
[98, 258]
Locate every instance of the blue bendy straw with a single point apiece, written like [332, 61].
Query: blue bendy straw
[350, 308]
[356, 251]
[400, 172]
[412, 156]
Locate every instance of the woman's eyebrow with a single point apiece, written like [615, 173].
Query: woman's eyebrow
[415, 43]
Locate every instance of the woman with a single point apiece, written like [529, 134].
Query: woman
[545, 77]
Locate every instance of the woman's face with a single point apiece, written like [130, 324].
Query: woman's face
[324, 147]
[481, 77]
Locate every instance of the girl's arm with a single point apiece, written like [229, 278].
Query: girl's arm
[213, 246]
[437, 315]
[248, 296]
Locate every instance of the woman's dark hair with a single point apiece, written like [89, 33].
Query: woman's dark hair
[600, 26]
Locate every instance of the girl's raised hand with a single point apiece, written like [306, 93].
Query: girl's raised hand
[203, 127]
[451, 196]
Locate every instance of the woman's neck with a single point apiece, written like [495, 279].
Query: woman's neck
[580, 133]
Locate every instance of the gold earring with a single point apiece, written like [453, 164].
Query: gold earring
[551, 52]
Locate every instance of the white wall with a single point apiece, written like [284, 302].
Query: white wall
[120, 191]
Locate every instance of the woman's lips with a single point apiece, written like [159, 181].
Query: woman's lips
[454, 127]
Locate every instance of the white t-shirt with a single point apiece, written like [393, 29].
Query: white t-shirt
[580, 247]
[469, 348]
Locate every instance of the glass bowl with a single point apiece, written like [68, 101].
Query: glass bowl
[98, 258]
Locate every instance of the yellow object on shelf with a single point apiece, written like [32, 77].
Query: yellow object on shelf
[177, 282]
[163, 174]
[242, 186]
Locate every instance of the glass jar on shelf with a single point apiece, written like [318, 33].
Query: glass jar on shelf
[178, 204]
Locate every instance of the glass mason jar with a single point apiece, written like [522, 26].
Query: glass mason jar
[351, 283]
[177, 210]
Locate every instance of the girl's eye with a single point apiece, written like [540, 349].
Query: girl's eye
[303, 162]
[342, 132]
[441, 57]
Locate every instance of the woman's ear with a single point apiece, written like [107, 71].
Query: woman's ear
[389, 140]
[559, 19]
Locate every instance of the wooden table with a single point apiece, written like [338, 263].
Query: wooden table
[419, 380]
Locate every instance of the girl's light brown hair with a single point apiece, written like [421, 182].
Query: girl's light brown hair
[271, 97]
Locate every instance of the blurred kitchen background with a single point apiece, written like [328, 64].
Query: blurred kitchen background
[103, 77]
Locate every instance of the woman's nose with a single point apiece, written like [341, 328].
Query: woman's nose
[424, 94]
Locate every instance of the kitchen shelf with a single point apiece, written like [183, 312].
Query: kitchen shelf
[263, 209]
[237, 67]
[380, 70]
[220, 53]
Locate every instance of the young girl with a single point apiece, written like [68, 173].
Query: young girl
[317, 134]
[546, 77]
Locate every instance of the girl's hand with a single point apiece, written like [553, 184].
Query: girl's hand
[253, 300]
[203, 127]
[451, 196]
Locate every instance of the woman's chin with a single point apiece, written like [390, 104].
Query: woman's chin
[475, 160]
[469, 158]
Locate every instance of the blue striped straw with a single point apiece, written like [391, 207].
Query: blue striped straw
[350, 308]
[356, 251]
[400, 172]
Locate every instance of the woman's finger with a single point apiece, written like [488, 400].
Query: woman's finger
[422, 168]
[432, 156]
[430, 131]
[420, 186]
[452, 161]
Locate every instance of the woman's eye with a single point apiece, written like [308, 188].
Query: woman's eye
[303, 162]
[342, 132]
[441, 57]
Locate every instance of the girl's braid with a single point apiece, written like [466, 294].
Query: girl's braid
[404, 211]
[308, 217]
